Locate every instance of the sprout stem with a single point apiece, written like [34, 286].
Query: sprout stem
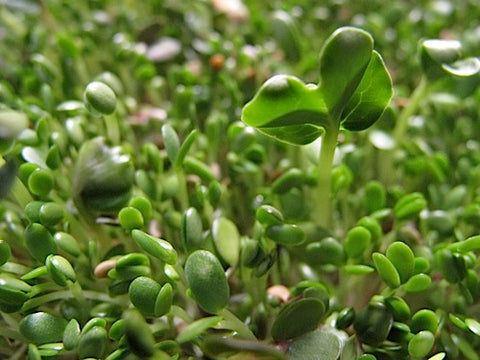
[112, 127]
[67, 294]
[323, 194]
[402, 123]
[20, 193]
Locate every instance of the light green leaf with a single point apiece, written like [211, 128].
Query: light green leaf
[287, 109]
[386, 270]
[227, 240]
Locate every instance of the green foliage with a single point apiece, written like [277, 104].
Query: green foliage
[291, 111]
[140, 218]
[207, 281]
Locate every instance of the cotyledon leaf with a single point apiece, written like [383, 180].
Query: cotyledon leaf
[370, 98]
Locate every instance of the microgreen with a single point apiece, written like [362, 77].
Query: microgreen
[239, 180]
[353, 91]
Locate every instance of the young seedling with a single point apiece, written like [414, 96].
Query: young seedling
[354, 90]
[439, 59]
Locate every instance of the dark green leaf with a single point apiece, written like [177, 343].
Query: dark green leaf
[370, 98]
[343, 61]
[298, 318]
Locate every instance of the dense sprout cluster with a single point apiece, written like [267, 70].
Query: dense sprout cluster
[239, 180]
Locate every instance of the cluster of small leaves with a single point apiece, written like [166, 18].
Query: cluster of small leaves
[139, 218]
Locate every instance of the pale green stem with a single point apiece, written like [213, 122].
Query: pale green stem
[182, 194]
[20, 193]
[67, 294]
[113, 128]
[402, 123]
[323, 195]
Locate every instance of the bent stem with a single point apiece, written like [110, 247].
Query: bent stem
[323, 193]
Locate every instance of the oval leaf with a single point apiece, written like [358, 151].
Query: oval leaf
[316, 345]
[343, 61]
[207, 281]
[370, 98]
[298, 318]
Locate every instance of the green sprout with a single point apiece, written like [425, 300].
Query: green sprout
[354, 90]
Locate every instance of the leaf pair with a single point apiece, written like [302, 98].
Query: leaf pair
[354, 90]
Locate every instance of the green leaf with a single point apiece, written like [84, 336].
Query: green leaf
[286, 34]
[268, 215]
[452, 265]
[159, 248]
[287, 109]
[93, 343]
[473, 325]
[138, 336]
[402, 258]
[386, 270]
[320, 344]
[358, 269]
[71, 335]
[372, 325]
[470, 244]
[370, 98]
[143, 293]
[99, 98]
[191, 231]
[42, 328]
[424, 319]
[286, 234]
[421, 344]
[297, 318]
[197, 328]
[398, 307]
[356, 242]
[39, 241]
[164, 300]
[60, 270]
[442, 57]
[355, 86]
[207, 281]
[5, 252]
[349, 351]
[11, 124]
[343, 61]
[227, 240]
[434, 53]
